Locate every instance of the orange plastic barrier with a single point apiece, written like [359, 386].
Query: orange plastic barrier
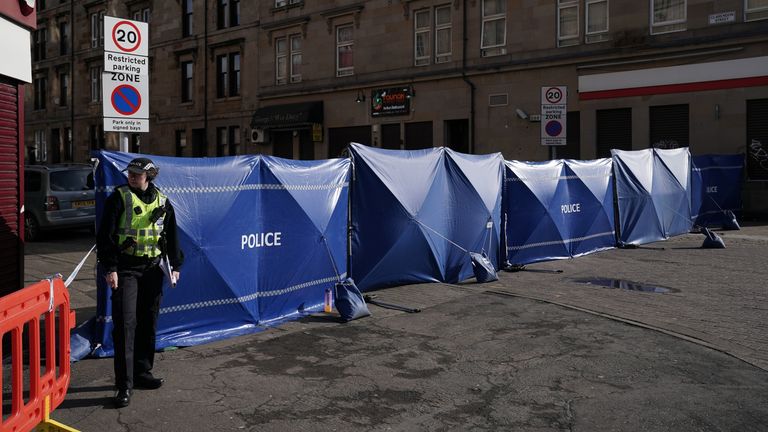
[21, 313]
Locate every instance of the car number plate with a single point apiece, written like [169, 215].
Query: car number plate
[86, 203]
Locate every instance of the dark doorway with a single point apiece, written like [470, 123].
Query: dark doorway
[572, 147]
[757, 139]
[199, 143]
[457, 135]
[339, 138]
[135, 143]
[668, 126]
[390, 136]
[282, 144]
[55, 146]
[614, 130]
[306, 145]
[418, 135]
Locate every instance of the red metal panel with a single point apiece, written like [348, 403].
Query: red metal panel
[11, 195]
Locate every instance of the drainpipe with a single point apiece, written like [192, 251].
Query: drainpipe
[467, 80]
[72, 80]
[205, 78]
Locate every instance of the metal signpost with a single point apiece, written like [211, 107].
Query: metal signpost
[553, 115]
[125, 82]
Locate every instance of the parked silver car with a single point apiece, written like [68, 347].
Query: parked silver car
[57, 197]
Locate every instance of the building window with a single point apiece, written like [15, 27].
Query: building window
[181, 142]
[296, 58]
[40, 5]
[222, 75]
[221, 141]
[668, 16]
[228, 13]
[96, 136]
[345, 45]
[63, 38]
[41, 146]
[283, 51]
[421, 37]
[567, 22]
[281, 3]
[442, 34]
[186, 18]
[41, 86]
[97, 29]
[281, 60]
[95, 73]
[63, 89]
[494, 37]
[755, 10]
[141, 15]
[69, 149]
[228, 75]
[596, 21]
[234, 140]
[187, 82]
[40, 38]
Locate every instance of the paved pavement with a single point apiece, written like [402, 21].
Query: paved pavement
[536, 351]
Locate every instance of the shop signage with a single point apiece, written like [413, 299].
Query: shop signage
[390, 101]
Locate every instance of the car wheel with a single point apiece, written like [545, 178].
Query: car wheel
[31, 228]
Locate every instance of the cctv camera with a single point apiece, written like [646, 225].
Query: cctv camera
[522, 114]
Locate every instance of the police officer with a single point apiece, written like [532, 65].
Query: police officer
[138, 226]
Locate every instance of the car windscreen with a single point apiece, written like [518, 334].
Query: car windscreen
[72, 180]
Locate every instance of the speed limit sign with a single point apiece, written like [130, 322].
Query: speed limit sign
[125, 36]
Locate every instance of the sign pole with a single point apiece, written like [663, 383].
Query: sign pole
[123, 142]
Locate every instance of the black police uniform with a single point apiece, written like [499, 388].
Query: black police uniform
[136, 301]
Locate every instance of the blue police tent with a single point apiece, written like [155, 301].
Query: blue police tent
[558, 209]
[716, 188]
[263, 237]
[416, 214]
[653, 189]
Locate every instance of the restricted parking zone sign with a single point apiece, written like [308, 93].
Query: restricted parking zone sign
[125, 82]
[554, 109]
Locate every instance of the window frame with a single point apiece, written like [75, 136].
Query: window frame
[63, 37]
[295, 77]
[97, 29]
[95, 73]
[187, 81]
[762, 11]
[597, 36]
[222, 75]
[40, 42]
[349, 70]
[63, 89]
[234, 74]
[187, 18]
[486, 19]
[426, 59]
[563, 41]
[280, 80]
[444, 57]
[40, 85]
[672, 26]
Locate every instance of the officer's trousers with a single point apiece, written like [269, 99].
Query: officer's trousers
[135, 306]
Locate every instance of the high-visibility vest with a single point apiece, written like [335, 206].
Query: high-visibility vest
[137, 224]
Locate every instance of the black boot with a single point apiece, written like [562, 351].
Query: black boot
[147, 382]
[123, 398]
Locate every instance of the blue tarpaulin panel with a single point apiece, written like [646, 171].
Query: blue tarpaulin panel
[263, 238]
[558, 209]
[417, 214]
[654, 194]
[716, 188]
